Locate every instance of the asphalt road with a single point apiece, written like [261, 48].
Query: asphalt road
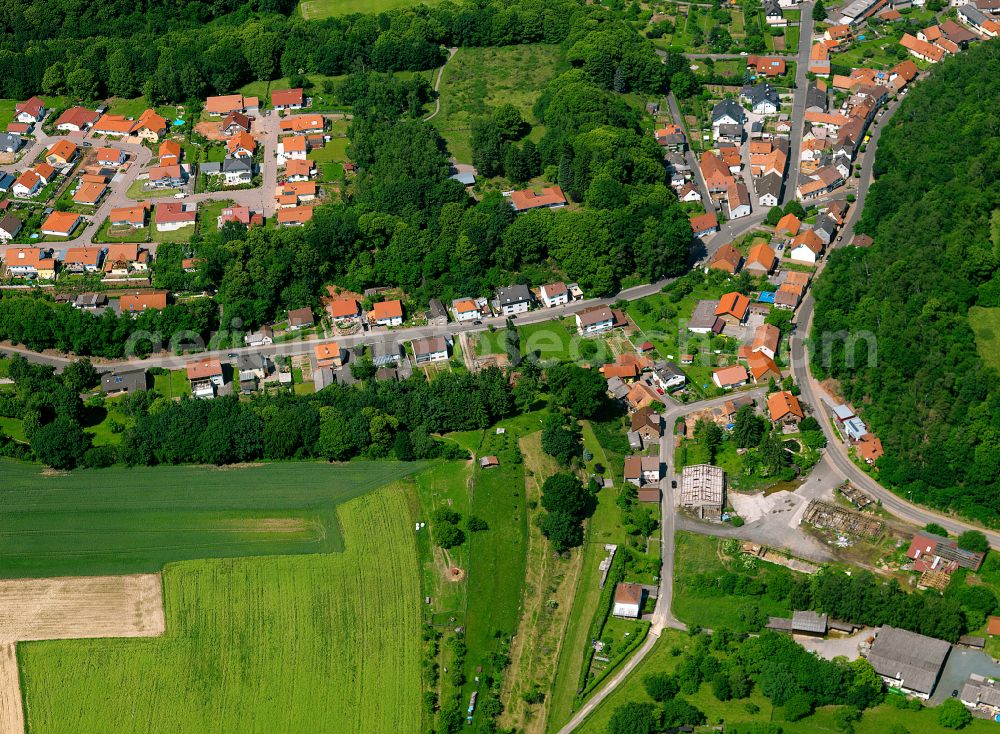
[799, 101]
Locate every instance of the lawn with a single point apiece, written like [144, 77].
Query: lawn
[319, 643]
[700, 555]
[551, 340]
[13, 427]
[184, 234]
[319, 9]
[477, 80]
[6, 112]
[985, 323]
[330, 159]
[137, 190]
[172, 385]
[136, 106]
[130, 520]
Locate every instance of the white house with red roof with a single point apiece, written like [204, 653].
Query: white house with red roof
[30, 111]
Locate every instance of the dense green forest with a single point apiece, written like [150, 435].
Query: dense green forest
[927, 394]
[177, 52]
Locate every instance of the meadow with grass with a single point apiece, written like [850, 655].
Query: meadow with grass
[476, 80]
[134, 520]
[318, 643]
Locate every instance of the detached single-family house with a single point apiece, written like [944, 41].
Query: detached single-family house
[628, 601]
[302, 124]
[344, 309]
[224, 104]
[121, 260]
[514, 299]
[242, 145]
[300, 318]
[762, 98]
[10, 143]
[297, 170]
[294, 216]
[703, 225]
[76, 119]
[738, 200]
[124, 381]
[727, 112]
[262, 337]
[170, 153]
[551, 197]
[761, 259]
[594, 320]
[89, 193]
[466, 309]
[27, 185]
[766, 339]
[730, 377]
[130, 216]
[235, 122]
[329, 355]
[432, 349]
[233, 171]
[206, 376]
[30, 111]
[762, 368]
[110, 157]
[667, 375]
[647, 425]
[554, 294]
[769, 188]
[386, 313]
[806, 247]
[137, 302]
[294, 147]
[60, 224]
[640, 470]
[287, 99]
[167, 177]
[732, 308]
[769, 66]
[174, 215]
[716, 173]
[9, 227]
[727, 259]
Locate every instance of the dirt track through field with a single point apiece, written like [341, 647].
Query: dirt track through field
[11, 715]
[70, 608]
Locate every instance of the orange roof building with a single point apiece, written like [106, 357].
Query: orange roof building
[139, 301]
[784, 407]
[762, 367]
[61, 153]
[204, 369]
[727, 258]
[302, 124]
[60, 224]
[551, 197]
[343, 308]
[732, 307]
[327, 355]
[170, 153]
[762, 258]
[386, 311]
[224, 104]
[89, 193]
[243, 144]
[294, 216]
[921, 49]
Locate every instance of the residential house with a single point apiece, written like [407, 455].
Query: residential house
[466, 309]
[628, 601]
[287, 99]
[769, 189]
[908, 661]
[110, 157]
[150, 126]
[28, 184]
[715, 172]
[344, 309]
[224, 104]
[806, 247]
[554, 294]
[727, 112]
[138, 301]
[302, 124]
[647, 425]
[260, 338]
[772, 14]
[727, 259]
[825, 228]
[167, 177]
[869, 448]
[235, 122]
[62, 153]
[667, 375]
[91, 302]
[30, 262]
[240, 215]
[206, 376]
[594, 320]
[436, 314]
[769, 66]
[233, 171]
[762, 98]
[130, 216]
[788, 297]
[242, 145]
[298, 170]
[9, 228]
[921, 49]
[730, 377]
[124, 381]
[703, 319]
[641, 470]
[642, 395]
[703, 488]
[10, 143]
[687, 193]
[82, 259]
[819, 57]
[816, 100]
[329, 355]
[76, 119]
[784, 408]
[386, 313]
[738, 200]
[89, 193]
[514, 299]
[976, 19]
[30, 111]
[292, 148]
[672, 138]
[252, 369]
[838, 33]
[788, 225]
[170, 153]
[981, 694]
[761, 259]
[114, 126]
[295, 216]
[173, 215]
[703, 225]
[431, 349]
[60, 224]
[762, 368]
[300, 318]
[122, 260]
[551, 197]
[732, 308]
[766, 339]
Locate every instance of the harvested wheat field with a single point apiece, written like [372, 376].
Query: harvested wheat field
[11, 715]
[75, 607]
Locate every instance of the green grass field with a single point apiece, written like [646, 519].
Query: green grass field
[479, 79]
[319, 9]
[123, 520]
[330, 159]
[6, 112]
[320, 643]
[985, 323]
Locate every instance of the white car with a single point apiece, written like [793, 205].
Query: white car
[180, 195]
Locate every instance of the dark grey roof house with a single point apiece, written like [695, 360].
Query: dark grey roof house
[907, 660]
[130, 381]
